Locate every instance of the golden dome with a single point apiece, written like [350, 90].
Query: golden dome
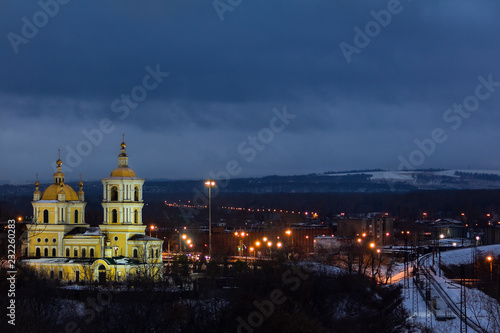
[51, 192]
[122, 172]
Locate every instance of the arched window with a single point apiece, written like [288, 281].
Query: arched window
[114, 193]
[37, 253]
[91, 253]
[136, 254]
[46, 216]
[136, 216]
[46, 252]
[152, 253]
[136, 194]
[84, 253]
[114, 216]
[54, 252]
[76, 216]
[156, 253]
[75, 253]
[67, 252]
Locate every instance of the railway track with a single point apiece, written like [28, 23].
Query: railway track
[445, 297]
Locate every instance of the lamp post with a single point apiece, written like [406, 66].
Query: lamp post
[490, 259]
[210, 184]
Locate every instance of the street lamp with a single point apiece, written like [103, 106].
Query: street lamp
[210, 184]
[241, 235]
[151, 228]
[490, 259]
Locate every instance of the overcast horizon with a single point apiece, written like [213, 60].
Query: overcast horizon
[250, 88]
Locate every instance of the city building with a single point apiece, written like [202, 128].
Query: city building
[379, 227]
[59, 244]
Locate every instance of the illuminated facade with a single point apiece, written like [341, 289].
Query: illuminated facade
[59, 244]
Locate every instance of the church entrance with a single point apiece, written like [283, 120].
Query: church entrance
[102, 274]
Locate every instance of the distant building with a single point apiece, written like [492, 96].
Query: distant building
[59, 244]
[379, 227]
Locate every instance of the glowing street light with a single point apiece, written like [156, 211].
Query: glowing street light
[372, 245]
[490, 259]
[210, 184]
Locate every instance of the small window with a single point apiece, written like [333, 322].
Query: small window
[135, 253]
[114, 193]
[67, 252]
[54, 253]
[54, 240]
[60, 275]
[84, 253]
[156, 253]
[136, 194]
[45, 216]
[116, 238]
[46, 240]
[75, 253]
[76, 216]
[38, 240]
[37, 254]
[114, 216]
[91, 253]
[46, 252]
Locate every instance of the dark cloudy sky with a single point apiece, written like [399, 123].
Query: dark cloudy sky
[67, 72]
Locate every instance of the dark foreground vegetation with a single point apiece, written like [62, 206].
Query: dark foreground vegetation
[273, 298]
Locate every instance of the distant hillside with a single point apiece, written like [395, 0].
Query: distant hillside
[364, 181]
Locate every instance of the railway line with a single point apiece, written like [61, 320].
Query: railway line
[429, 275]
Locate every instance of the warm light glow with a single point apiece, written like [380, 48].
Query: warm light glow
[184, 236]
[387, 234]
[152, 227]
[19, 218]
[251, 249]
[257, 243]
[264, 239]
[191, 245]
[463, 214]
[489, 258]
[307, 237]
[378, 250]
[210, 183]
[359, 240]
[441, 236]
[454, 244]
[364, 235]
[372, 245]
[478, 238]
[236, 234]
[189, 241]
[279, 245]
[288, 232]
[243, 234]
[269, 244]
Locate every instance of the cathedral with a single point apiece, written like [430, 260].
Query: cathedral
[59, 244]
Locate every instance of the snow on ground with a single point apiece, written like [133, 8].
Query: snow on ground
[480, 307]
[464, 256]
